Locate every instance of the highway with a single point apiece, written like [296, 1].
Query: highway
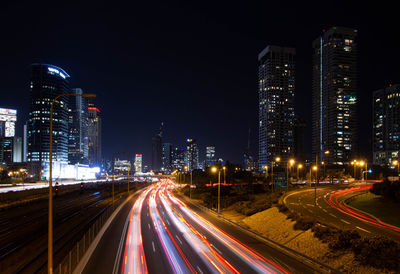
[159, 233]
[330, 208]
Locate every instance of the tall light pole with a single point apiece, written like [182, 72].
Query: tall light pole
[290, 163]
[50, 225]
[397, 163]
[315, 168]
[214, 169]
[277, 160]
[191, 182]
[224, 169]
[299, 166]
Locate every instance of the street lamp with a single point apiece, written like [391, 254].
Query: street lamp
[191, 182]
[50, 225]
[290, 163]
[299, 166]
[224, 169]
[397, 163]
[214, 169]
[277, 160]
[315, 168]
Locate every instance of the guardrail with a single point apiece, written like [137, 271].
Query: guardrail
[304, 258]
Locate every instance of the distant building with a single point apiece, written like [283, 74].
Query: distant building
[121, 166]
[276, 87]
[10, 146]
[386, 125]
[47, 82]
[166, 157]
[156, 153]
[78, 140]
[192, 155]
[138, 163]
[25, 144]
[210, 156]
[94, 135]
[299, 139]
[334, 95]
[8, 118]
[178, 158]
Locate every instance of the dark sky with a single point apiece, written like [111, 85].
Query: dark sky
[191, 64]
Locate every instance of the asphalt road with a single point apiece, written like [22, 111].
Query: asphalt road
[158, 233]
[330, 208]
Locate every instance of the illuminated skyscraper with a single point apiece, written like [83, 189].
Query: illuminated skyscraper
[178, 158]
[276, 75]
[334, 95]
[210, 155]
[78, 149]
[191, 155]
[386, 125]
[156, 153]
[166, 157]
[138, 163]
[94, 135]
[47, 82]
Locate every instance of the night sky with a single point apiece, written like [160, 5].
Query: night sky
[192, 65]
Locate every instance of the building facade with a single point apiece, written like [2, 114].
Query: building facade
[156, 153]
[47, 82]
[178, 158]
[210, 156]
[386, 125]
[334, 96]
[276, 75]
[191, 155]
[78, 140]
[138, 163]
[94, 135]
[166, 157]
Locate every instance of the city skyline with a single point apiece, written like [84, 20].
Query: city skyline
[375, 73]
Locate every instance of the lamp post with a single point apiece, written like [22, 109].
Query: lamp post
[50, 225]
[290, 163]
[299, 166]
[191, 182]
[315, 168]
[224, 169]
[277, 160]
[397, 163]
[214, 169]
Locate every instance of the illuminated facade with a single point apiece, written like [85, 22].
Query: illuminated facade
[138, 163]
[210, 156]
[94, 135]
[178, 158]
[191, 155]
[334, 95]
[386, 125]
[166, 157]
[78, 147]
[8, 117]
[47, 82]
[276, 77]
[121, 166]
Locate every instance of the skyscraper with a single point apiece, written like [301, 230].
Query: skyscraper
[166, 157]
[138, 163]
[210, 156]
[299, 141]
[276, 75]
[178, 158]
[334, 95]
[10, 146]
[192, 155]
[47, 82]
[78, 147]
[386, 125]
[94, 135]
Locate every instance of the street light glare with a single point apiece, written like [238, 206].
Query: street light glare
[214, 169]
[315, 168]
[277, 159]
[299, 165]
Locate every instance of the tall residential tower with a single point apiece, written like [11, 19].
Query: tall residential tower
[334, 95]
[276, 76]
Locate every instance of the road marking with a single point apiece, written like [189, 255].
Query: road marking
[147, 214]
[363, 229]
[309, 204]
[332, 215]
[168, 222]
[198, 268]
[344, 221]
[219, 251]
[149, 226]
[178, 239]
[325, 210]
[319, 206]
[154, 249]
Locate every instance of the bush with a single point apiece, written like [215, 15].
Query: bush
[304, 223]
[282, 208]
[378, 252]
[345, 240]
[325, 233]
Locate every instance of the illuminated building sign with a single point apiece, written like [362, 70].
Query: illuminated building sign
[93, 108]
[8, 117]
[57, 71]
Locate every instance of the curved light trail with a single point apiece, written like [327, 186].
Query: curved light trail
[187, 243]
